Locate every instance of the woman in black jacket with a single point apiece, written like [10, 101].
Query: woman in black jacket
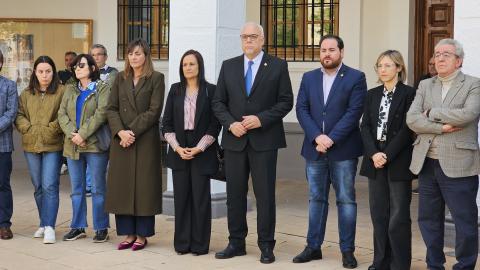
[191, 130]
[387, 154]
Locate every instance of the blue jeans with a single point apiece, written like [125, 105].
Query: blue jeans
[341, 174]
[6, 199]
[44, 171]
[97, 163]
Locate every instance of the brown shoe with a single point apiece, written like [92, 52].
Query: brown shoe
[6, 233]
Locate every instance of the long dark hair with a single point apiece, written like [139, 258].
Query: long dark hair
[34, 84]
[201, 70]
[92, 67]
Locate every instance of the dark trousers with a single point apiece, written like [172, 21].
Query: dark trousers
[6, 200]
[193, 210]
[392, 226]
[459, 194]
[143, 226]
[262, 166]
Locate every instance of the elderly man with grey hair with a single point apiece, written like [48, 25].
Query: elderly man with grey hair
[107, 73]
[253, 95]
[8, 112]
[446, 157]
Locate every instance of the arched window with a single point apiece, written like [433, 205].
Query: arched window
[147, 19]
[293, 28]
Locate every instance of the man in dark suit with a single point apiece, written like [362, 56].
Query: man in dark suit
[329, 107]
[253, 94]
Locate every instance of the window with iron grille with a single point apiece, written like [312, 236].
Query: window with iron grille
[293, 28]
[148, 19]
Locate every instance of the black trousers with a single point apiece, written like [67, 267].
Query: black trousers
[143, 226]
[392, 226]
[435, 190]
[6, 199]
[262, 166]
[193, 209]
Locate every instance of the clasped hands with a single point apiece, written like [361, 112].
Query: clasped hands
[187, 153]
[78, 140]
[323, 143]
[249, 122]
[379, 160]
[446, 128]
[127, 138]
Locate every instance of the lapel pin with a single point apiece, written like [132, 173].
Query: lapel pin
[341, 74]
[265, 64]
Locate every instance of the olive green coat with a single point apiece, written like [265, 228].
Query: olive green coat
[134, 184]
[93, 116]
[37, 121]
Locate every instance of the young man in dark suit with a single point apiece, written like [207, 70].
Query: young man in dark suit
[253, 94]
[329, 107]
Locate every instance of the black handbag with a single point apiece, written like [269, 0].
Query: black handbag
[220, 174]
[103, 133]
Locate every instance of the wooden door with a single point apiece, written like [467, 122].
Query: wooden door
[433, 22]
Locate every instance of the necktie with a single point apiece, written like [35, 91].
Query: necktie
[248, 78]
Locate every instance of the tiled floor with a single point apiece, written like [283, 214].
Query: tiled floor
[23, 252]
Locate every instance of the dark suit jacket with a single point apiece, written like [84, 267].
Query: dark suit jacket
[270, 99]
[399, 136]
[338, 118]
[205, 123]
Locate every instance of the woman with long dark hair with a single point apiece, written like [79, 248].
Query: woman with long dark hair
[191, 128]
[42, 141]
[134, 192]
[81, 115]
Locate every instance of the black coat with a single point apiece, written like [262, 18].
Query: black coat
[399, 137]
[205, 123]
[270, 99]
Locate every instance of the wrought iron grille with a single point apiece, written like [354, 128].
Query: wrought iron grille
[293, 28]
[148, 19]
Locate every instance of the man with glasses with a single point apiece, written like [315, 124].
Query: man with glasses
[107, 73]
[253, 95]
[445, 114]
[66, 75]
[8, 112]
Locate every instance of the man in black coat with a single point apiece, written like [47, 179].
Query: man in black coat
[253, 94]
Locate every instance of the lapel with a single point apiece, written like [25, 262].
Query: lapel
[239, 73]
[436, 93]
[201, 98]
[454, 89]
[264, 67]
[397, 98]
[179, 107]
[318, 77]
[336, 83]
[375, 105]
[139, 86]
[128, 88]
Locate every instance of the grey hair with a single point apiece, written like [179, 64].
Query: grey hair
[458, 46]
[258, 26]
[99, 46]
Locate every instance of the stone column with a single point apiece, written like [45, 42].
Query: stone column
[466, 30]
[211, 27]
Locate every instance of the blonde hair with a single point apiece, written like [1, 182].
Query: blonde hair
[397, 58]
[147, 66]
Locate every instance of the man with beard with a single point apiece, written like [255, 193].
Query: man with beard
[329, 107]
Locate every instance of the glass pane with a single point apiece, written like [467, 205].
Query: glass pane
[313, 39]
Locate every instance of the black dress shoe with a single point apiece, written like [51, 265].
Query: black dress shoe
[199, 253]
[348, 260]
[267, 255]
[372, 267]
[230, 251]
[182, 252]
[307, 255]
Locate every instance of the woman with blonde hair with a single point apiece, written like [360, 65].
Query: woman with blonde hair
[387, 154]
[134, 186]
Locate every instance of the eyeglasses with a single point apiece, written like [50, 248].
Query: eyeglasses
[79, 65]
[443, 54]
[98, 54]
[252, 37]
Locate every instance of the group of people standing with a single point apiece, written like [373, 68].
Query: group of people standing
[430, 132]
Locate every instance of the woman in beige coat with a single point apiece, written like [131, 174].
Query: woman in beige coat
[42, 141]
[134, 186]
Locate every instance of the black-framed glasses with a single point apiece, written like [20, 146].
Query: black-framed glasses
[79, 65]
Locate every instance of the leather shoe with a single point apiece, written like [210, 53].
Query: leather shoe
[230, 251]
[372, 267]
[348, 260]
[308, 254]
[6, 233]
[267, 255]
[139, 246]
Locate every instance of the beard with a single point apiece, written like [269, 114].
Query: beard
[332, 64]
